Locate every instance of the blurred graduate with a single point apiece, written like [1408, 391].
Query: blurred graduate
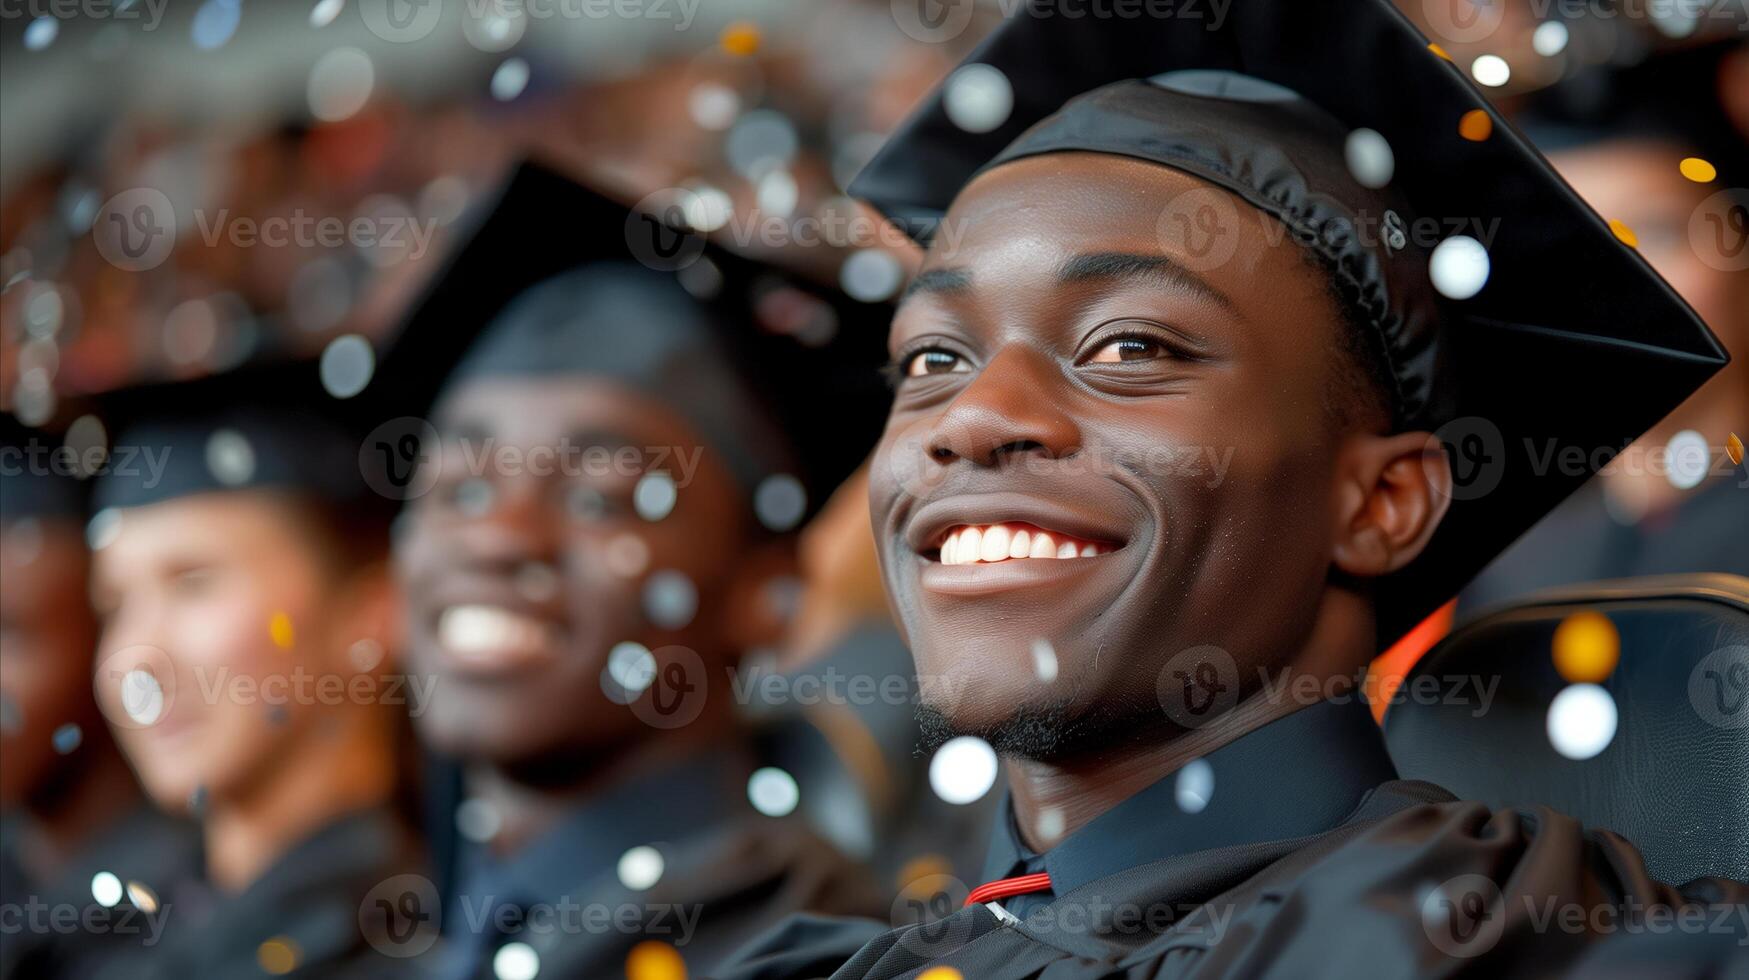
[602, 532]
[86, 864]
[248, 630]
[1240, 236]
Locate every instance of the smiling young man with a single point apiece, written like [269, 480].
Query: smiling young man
[600, 535]
[1184, 238]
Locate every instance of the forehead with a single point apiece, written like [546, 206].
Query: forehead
[1018, 227]
[526, 410]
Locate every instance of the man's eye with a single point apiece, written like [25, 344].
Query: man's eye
[934, 362]
[1128, 349]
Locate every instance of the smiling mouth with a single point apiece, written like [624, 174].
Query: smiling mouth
[975, 544]
[487, 637]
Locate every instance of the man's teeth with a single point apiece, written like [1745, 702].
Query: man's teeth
[476, 629]
[970, 544]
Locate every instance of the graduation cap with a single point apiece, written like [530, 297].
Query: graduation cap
[265, 425]
[1551, 332]
[38, 481]
[778, 377]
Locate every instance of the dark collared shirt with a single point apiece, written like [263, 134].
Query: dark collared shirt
[1297, 776]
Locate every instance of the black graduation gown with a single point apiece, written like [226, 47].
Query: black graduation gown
[58, 928]
[314, 901]
[727, 873]
[1407, 883]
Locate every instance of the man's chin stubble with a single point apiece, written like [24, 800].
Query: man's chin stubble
[1053, 732]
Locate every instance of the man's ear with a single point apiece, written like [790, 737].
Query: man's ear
[1391, 493]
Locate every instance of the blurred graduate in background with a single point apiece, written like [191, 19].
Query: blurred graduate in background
[602, 533]
[83, 858]
[1653, 150]
[239, 568]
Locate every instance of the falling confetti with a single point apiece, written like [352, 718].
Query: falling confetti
[653, 959]
[1476, 126]
[1687, 459]
[1734, 449]
[1582, 720]
[963, 769]
[1195, 786]
[1623, 232]
[1491, 70]
[1044, 660]
[740, 38]
[106, 889]
[144, 898]
[940, 973]
[1436, 49]
[1369, 158]
[67, 738]
[279, 627]
[277, 956]
[773, 792]
[641, 867]
[1699, 171]
[1586, 648]
[516, 961]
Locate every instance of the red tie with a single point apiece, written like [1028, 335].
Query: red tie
[1002, 888]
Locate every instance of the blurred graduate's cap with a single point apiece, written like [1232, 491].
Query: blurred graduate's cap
[778, 376]
[39, 479]
[1528, 325]
[288, 424]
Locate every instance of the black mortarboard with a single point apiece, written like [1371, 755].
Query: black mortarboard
[39, 479]
[264, 425]
[777, 376]
[1329, 119]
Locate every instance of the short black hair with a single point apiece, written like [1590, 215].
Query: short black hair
[1358, 395]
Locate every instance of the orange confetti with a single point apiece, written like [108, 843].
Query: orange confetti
[1436, 49]
[941, 973]
[1624, 233]
[655, 960]
[1699, 171]
[278, 955]
[279, 627]
[740, 38]
[1734, 449]
[1476, 126]
[1587, 648]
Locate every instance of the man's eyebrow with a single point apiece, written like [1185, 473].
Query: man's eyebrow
[1127, 265]
[951, 279]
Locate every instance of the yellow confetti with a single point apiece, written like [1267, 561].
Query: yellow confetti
[1734, 449]
[655, 960]
[740, 38]
[1587, 647]
[1623, 232]
[1699, 171]
[940, 973]
[279, 627]
[278, 955]
[1476, 126]
[1436, 49]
